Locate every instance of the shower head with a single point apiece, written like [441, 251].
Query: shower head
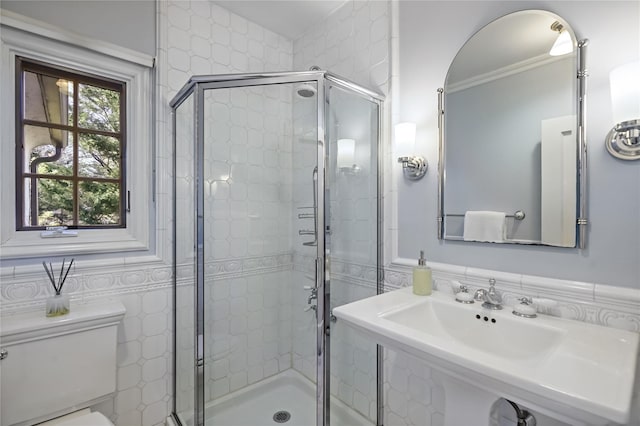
[306, 91]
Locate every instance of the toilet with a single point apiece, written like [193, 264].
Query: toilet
[53, 369]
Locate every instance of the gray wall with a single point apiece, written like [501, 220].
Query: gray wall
[130, 23]
[430, 35]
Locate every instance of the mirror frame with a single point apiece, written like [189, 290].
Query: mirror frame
[581, 166]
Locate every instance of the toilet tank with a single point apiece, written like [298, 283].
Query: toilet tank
[57, 365]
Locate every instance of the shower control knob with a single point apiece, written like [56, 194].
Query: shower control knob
[4, 353]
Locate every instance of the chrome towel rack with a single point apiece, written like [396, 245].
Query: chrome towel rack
[517, 215]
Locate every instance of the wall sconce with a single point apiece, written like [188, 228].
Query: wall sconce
[346, 157]
[623, 141]
[413, 167]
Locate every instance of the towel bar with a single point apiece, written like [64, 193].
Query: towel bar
[518, 215]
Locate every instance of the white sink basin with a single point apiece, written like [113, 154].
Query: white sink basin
[507, 337]
[583, 373]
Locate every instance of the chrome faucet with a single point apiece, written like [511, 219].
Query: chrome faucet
[492, 299]
[313, 294]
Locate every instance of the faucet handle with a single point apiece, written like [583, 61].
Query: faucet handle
[526, 308]
[492, 288]
[463, 295]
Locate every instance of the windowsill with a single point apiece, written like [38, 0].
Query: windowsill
[28, 244]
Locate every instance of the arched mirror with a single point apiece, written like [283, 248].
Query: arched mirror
[512, 149]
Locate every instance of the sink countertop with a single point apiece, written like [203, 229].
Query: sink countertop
[550, 361]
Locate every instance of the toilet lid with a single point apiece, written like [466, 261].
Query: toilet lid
[91, 419]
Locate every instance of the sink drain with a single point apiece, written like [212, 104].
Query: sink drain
[281, 417]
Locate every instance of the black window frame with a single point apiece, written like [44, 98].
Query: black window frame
[77, 77]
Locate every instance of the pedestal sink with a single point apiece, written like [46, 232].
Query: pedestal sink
[576, 372]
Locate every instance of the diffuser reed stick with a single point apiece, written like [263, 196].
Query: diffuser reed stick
[57, 285]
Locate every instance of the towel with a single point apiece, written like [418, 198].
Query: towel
[484, 226]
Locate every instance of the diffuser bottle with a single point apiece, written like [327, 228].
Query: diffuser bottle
[422, 283]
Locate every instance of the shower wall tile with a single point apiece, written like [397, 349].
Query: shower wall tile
[252, 181]
[248, 327]
[218, 42]
[353, 42]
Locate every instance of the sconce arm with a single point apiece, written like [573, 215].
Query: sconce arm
[413, 167]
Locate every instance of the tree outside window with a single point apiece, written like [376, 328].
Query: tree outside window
[70, 149]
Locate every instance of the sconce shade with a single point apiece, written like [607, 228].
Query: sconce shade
[563, 44]
[405, 135]
[413, 167]
[625, 92]
[346, 153]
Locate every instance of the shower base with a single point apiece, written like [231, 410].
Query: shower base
[288, 392]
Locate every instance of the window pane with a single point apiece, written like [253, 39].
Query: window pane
[80, 166]
[48, 151]
[47, 99]
[98, 108]
[52, 199]
[99, 203]
[98, 156]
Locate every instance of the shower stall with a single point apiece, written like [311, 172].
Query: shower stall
[277, 220]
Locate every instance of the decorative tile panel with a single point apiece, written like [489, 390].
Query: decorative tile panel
[594, 303]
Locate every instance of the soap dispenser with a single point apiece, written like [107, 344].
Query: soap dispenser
[422, 283]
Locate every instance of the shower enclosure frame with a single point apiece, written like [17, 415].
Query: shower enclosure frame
[323, 79]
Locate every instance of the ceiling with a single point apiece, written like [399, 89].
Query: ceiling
[290, 18]
[507, 41]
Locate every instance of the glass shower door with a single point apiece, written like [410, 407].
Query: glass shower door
[184, 262]
[260, 150]
[355, 249]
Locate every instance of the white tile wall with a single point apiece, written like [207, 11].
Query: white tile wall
[248, 329]
[412, 397]
[204, 38]
[144, 359]
[353, 42]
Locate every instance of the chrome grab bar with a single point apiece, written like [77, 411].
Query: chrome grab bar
[313, 215]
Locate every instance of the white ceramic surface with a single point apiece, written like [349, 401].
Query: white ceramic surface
[579, 371]
[57, 365]
[287, 391]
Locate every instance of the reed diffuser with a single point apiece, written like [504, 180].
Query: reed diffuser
[59, 303]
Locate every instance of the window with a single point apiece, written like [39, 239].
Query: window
[70, 148]
[98, 154]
